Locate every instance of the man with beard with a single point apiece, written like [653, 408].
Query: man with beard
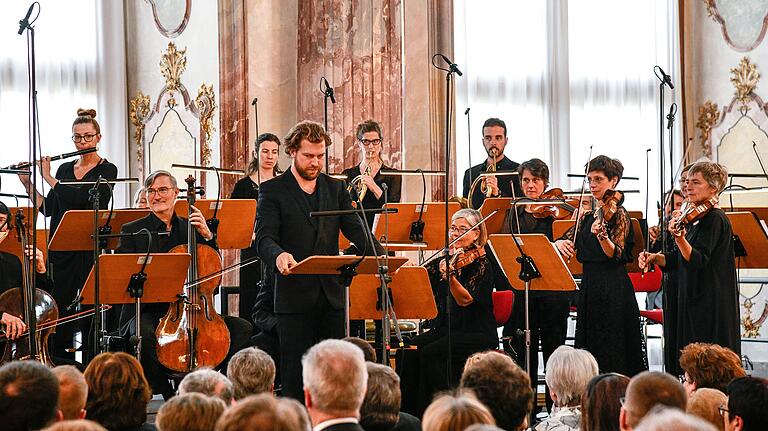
[494, 141]
[309, 308]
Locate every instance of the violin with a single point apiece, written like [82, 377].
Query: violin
[461, 258]
[691, 213]
[611, 201]
[561, 211]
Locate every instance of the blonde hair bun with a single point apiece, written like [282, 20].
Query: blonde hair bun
[86, 113]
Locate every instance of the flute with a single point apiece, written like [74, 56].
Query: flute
[59, 157]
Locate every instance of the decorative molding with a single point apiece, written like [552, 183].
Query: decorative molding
[172, 64]
[139, 112]
[738, 45]
[205, 102]
[709, 114]
[744, 79]
[175, 29]
[712, 10]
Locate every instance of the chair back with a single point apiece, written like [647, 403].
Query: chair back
[502, 306]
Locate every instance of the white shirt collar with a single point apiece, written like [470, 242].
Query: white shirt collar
[330, 422]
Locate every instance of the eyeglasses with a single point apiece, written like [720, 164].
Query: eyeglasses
[460, 230]
[684, 379]
[722, 409]
[162, 191]
[367, 142]
[84, 138]
[622, 400]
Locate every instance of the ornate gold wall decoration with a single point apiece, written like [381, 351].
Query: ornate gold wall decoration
[172, 65]
[139, 112]
[205, 102]
[744, 78]
[708, 116]
[711, 9]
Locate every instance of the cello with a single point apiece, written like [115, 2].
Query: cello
[192, 334]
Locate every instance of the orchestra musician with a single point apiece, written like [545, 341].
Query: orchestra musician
[162, 191]
[673, 202]
[263, 167]
[140, 199]
[494, 141]
[69, 269]
[608, 321]
[309, 308]
[707, 291]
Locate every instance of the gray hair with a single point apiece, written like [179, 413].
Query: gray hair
[473, 217]
[73, 391]
[208, 382]
[251, 371]
[664, 418]
[715, 174]
[568, 372]
[159, 173]
[264, 412]
[137, 197]
[381, 405]
[334, 373]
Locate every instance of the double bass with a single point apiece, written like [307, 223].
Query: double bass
[192, 334]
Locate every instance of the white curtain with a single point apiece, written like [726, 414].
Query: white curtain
[565, 75]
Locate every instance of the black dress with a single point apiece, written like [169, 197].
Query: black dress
[69, 269]
[370, 201]
[250, 275]
[11, 277]
[608, 321]
[669, 294]
[707, 300]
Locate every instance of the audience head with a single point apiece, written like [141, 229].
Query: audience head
[369, 353]
[76, 425]
[665, 419]
[449, 412]
[335, 379]
[483, 427]
[251, 371]
[568, 372]
[118, 392]
[709, 366]
[262, 412]
[190, 412]
[502, 386]
[29, 395]
[646, 390]
[381, 405]
[207, 382]
[600, 404]
[73, 392]
[705, 403]
[747, 404]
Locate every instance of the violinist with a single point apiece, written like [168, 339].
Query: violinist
[473, 326]
[162, 191]
[548, 310]
[707, 292]
[608, 321]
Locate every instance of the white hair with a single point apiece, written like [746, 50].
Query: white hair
[664, 418]
[335, 375]
[568, 372]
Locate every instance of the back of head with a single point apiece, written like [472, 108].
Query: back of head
[502, 386]
[381, 405]
[190, 412]
[29, 394]
[73, 391]
[251, 371]
[664, 419]
[600, 404]
[261, 412]
[748, 399]
[710, 365]
[118, 392]
[207, 382]
[369, 353]
[455, 413]
[483, 427]
[568, 372]
[76, 425]
[705, 402]
[651, 388]
[335, 377]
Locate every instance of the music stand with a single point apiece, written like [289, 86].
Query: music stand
[496, 223]
[400, 223]
[410, 290]
[237, 219]
[12, 245]
[75, 231]
[751, 234]
[162, 280]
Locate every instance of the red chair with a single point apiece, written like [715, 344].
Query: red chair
[502, 306]
[644, 283]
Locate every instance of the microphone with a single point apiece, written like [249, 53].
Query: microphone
[328, 90]
[255, 99]
[671, 115]
[466, 112]
[666, 79]
[452, 65]
[25, 22]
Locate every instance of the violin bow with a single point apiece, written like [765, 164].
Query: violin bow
[581, 198]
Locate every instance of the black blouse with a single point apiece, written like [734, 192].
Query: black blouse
[370, 201]
[588, 249]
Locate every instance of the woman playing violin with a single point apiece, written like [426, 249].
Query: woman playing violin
[608, 322]
[707, 293]
[473, 326]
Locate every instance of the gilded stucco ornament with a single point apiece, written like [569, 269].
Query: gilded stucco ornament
[744, 78]
[172, 65]
[205, 102]
[139, 112]
[708, 116]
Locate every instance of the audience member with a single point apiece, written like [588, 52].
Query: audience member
[483, 427]
[449, 412]
[368, 351]
[252, 372]
[73, 392]
[665, 419]
[600, 404]
[190, 412]
[502, 386]
[207, 382]
[568, 372]
[381, 406]
[118, 392]
[646, 390]
[747, 405]
[300, 411]
[76, 425]
[709, 366]
[705, 403]
[261, 412]
[29, 394]
[335, 380]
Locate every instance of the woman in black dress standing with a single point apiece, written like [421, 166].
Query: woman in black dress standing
[263, 167]
[608, 321]
[69, 269]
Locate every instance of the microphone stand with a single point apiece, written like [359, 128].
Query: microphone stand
[663, 82]
[327, 94]
[469, 152]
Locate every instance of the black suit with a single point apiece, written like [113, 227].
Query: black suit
[505, 183]
[309, 308]
[344, 427]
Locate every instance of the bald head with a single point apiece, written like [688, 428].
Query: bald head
[73, 391]
[646, 390]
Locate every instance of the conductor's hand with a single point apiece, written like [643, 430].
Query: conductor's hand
[14, 326]
[285, 262]
[565, 246]
[198, 221]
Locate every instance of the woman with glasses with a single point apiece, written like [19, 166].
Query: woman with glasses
[69, 269]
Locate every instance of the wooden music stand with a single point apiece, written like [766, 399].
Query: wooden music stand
[554, 273]
[495, 223]
[411, 295]
[12, 245]
[752, 234]
[237, 219]
[408, 212]
[75, 232]
[760, 212]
